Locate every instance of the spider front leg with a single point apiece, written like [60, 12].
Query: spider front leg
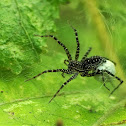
[78, 44]
[73, 77]
[77, 41]
[56, 70]
[65, 48]
[121, 81]
[86, 54]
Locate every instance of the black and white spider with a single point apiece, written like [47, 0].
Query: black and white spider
[93, 66]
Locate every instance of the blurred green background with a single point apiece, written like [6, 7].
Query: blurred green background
[84, 101]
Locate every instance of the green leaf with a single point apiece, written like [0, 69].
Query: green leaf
[20, 21]
[82, 102]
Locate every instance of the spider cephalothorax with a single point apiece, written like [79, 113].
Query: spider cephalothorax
[92, 66]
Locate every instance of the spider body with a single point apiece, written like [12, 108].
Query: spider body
[93, 66]
[85, 66]
[92, 63]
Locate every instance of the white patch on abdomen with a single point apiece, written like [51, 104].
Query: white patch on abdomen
[109, 66]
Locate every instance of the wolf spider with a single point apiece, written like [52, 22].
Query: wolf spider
[92, 66]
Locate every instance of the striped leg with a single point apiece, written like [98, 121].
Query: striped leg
[67, 72]
[73, 77]
[78, 44]
[86, 54]
[66, 50]
[57, 70]
[121, 81]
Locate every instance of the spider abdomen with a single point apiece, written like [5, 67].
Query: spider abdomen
[93, 62]
[108, 65]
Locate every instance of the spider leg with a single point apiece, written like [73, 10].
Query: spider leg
[73, 77]
[57, 70]
[103, 79]
[86, 54]
[96, 73]
[63, 75]
[67, 72]
[78, 44]
[66, 50]
[121, 81]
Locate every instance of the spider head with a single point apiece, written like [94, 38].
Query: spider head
[73, 65]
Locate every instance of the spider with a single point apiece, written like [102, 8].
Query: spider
[92, 66]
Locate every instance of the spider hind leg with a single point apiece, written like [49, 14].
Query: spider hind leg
[103, 79]
[86, 54]
[121, 81]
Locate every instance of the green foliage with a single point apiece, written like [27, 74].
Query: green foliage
[84, 101]
[115, 22]
[20, 21]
